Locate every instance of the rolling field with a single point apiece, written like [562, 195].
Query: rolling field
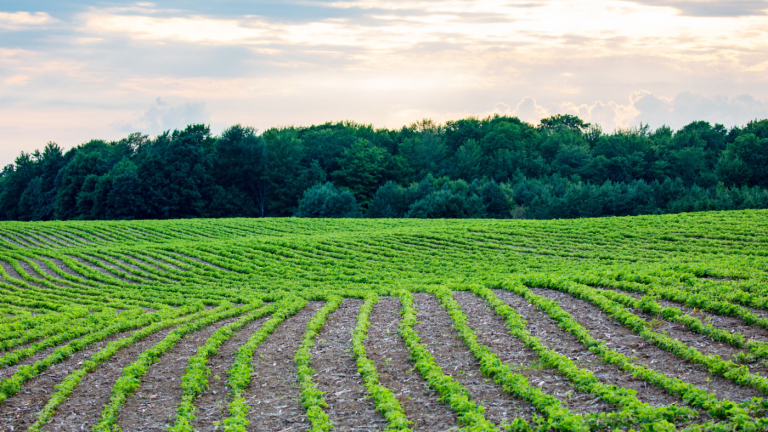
[655, 323]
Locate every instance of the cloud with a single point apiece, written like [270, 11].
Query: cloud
[687, 107]
[713, 8]
[24, 20]
[161, 117]
[645, 107]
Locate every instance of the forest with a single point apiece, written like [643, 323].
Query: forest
[494, 167]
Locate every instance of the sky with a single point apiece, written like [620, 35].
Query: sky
[75, 71]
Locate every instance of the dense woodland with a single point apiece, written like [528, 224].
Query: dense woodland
[496, 167]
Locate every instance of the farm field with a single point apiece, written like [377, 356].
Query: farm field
[654, 323]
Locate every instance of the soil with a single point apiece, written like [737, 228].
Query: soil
[153, 406]
[66, 269]
[14, 242]
[32, 272]
[385, 348]
[8, 371]
[80, 241]
[83, 407]
[47, 270]
[15, 275]
[349, 407]
[702, 343]
[723, 322]
[212, 403]
[198, 260]
[492, 332]
[434, 327]
[31, 240]
[552, 336]
[621, 339]
[110, 267]
[150, 260]
[102, 270]
[274, 395]
[58, 241]
[20, 411]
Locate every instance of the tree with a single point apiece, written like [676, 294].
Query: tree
[326, 201]
[239, 166]
[563, 121]
[176, 181]
[495, 200]
[15, 184]
[362, 170]
[389, 202]
[470, 162]
[284, 152]
[445, 204]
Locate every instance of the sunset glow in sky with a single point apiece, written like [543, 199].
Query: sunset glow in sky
[70, 72]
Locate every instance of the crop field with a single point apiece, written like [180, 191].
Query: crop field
[654, 323]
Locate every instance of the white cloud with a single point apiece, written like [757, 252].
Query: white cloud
[161, 117]
[22, 20]
[645, 107]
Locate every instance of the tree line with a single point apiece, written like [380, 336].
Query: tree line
[496, 167]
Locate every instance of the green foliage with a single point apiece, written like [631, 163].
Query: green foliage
[564, 168]
[325, 201]
[67, 286]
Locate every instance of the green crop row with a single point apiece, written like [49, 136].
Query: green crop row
[383, 398]
[737, 414]
[195, 381]
[311, 396]
[241, 370]
[130, 380]
[72, 381]
[633, 413]
[455, 395]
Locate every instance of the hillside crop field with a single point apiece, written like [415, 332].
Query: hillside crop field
[654, 323]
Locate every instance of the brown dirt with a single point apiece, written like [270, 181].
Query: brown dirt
[722, 322]
[83, 407]
[396, 373]
[47, 270]
[14, 274]
[434, 327]
[32, 272]
[112, 268]
[274, 394]
[703, 343]
[101, 270]
[621, 339]
[65, 268]
[14, 242]
[31, 240]
[492, 332]
[759, 312]
[153, 406]
[199, 261]
[171, 259]
[552, 336]
[212, 403]
[57, 240]
[20, 410]
[349, 406]
[149, 259]
[75, 239]
[7, 371]
[143, 262]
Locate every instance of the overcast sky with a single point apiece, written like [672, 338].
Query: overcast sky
[72, 71]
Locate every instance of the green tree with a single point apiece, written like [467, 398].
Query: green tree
[362, 170]
[326, 201]
[284, 152]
